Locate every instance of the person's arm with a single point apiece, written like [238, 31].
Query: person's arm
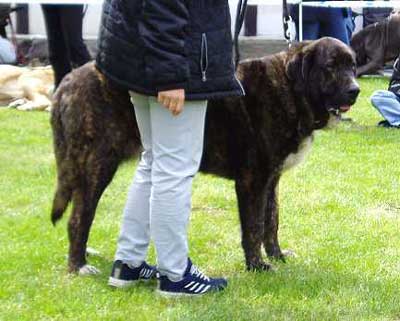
[162, 29]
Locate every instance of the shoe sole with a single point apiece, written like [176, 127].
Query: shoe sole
[121, 284]
[167, 294]
[117, 283]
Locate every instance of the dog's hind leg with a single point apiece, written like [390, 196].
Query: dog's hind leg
[251, 202]
[85, 199]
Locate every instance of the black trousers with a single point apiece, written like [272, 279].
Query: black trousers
[64, 33]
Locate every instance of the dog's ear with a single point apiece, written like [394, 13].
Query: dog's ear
[299, 66]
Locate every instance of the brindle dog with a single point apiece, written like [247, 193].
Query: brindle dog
[377, 44]
[250, 140]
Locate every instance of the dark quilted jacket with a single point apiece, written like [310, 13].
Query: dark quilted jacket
[153, 45]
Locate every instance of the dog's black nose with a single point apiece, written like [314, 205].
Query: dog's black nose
[353, 91]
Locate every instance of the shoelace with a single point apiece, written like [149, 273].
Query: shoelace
[196, 272]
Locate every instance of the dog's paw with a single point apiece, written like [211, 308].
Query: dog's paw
[274, 252]
[281, 255]
[88, 270]
[92, 252]
[260, 266]
[16, 103]
[27, 106]
[289, 253]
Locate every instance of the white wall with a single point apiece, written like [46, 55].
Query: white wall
[269, 20]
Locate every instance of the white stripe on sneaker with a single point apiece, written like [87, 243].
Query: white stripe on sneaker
[194, 286]
[199, 288]
[205, 289]
[190, 284]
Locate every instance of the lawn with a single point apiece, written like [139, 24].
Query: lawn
[340, 212]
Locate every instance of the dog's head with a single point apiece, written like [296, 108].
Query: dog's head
[324, 71]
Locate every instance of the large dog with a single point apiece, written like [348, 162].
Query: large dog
[377, 44]
[251, 140]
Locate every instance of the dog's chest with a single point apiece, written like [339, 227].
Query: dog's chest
[295, 159]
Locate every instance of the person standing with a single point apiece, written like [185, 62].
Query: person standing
[321, 22]
[64, 34]
[172, 56]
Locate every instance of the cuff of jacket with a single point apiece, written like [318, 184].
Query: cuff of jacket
[179, 85]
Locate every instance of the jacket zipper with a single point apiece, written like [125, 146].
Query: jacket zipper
[240, 85]
[204, 57]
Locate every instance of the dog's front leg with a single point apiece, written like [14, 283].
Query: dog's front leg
[271, 243]
[251, 201]
[371, 67]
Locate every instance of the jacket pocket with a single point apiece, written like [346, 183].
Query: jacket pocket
[204, 57]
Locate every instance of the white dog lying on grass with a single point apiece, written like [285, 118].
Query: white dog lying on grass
[26, 88]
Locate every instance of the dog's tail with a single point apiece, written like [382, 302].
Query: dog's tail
[62, 197]
[63, 193]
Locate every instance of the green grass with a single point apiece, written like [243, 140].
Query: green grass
[340, 212]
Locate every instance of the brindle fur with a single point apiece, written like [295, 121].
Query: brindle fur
[247, 139]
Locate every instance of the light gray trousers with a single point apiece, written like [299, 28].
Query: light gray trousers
[159, 199]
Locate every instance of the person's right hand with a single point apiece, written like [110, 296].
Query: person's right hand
[174, 100]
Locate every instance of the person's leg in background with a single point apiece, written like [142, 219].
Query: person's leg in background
[388, 105]
[350, 24]
[334, 24]
[7, 52]
[58, 51]
[311, 24]
[72, 23]
[177, 150]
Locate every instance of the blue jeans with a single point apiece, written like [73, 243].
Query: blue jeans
[388, 105]
[322, 22]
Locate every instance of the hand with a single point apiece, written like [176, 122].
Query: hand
[174, 100]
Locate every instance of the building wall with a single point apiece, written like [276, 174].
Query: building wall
[269, 21]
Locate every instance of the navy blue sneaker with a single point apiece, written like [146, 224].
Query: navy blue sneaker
[124, 275]
[194, 283]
